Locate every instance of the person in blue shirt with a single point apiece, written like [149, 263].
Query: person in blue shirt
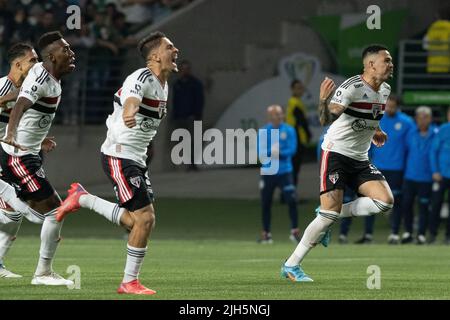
[418, 175]
[279, 148]
[440, 166]
[390, 160]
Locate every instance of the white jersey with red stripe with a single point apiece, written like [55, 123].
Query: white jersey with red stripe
[44, 91]
[351, 134]
[131, 143]
[6, 86]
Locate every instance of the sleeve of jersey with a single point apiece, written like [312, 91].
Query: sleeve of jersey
[133, 87]
[31, 89]
[343, 96]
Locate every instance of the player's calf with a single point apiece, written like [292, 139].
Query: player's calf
[144, 221]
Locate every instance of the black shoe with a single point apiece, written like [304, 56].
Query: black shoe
[407, 238]
[366, 239]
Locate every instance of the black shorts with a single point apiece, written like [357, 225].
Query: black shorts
[130, 180]
[338, 171]
[26, 175]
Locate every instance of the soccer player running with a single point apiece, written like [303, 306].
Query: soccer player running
[21, 58]
[355, 110]
[139, 107]
[28, 126]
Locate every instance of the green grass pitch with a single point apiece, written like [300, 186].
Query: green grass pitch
[206, 249]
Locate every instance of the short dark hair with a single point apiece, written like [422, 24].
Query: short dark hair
[48, 38]
[394, 97]
[150, 42]
[294, 82]
[373, 48]
[18, 50]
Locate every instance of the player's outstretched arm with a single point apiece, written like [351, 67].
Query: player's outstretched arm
[131, 107]
[22, 105]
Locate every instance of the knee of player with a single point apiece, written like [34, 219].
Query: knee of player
[146, 219]
[388, 199]
[385, 205]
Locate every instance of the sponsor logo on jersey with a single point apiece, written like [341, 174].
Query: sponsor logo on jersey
[148, 124]
[376, 109]
[365, 96]
[358, 85]
[44, 121]
[40, 173]
[136, 90]
[334, 177]
[360, 125]
[136, 181]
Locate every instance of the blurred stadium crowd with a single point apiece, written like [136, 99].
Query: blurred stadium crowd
[108, 29]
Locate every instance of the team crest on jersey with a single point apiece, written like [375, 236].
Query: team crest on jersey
[40, 173]
[334, 177]
[376, 109]
[283, 135]
[136, 181]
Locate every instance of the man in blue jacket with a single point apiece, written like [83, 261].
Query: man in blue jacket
[279, 149]
[390, 160]
[440, 166]
[418, 174]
